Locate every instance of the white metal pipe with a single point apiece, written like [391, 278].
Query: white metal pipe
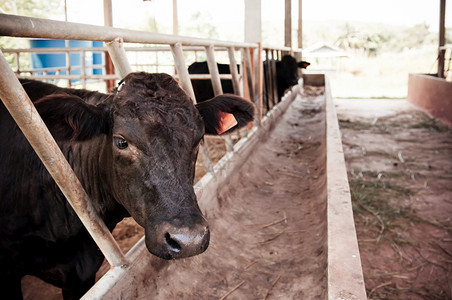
[234, 72]
[441, 38]
[182, 71]
[18, 26]
[73, 77]
[207, 76]
[29, 121]
[258, 75]
[249, 75]
[158, 48]
[216, 84]
[184, 79]
[213, 70]
[119, 57]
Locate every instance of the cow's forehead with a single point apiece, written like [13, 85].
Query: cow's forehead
[156, 85]
[154, 102]
[141, 93]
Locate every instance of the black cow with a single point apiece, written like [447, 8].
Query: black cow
[134, 151]
[286, 73]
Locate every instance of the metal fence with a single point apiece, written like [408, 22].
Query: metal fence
[249, 83]
[447, 49]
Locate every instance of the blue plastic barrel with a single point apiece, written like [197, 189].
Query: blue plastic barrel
[50, 60]
[97, 58]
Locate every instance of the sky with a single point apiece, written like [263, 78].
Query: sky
[399, 12]
[227, 15]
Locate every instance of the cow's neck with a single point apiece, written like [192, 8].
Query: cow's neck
[86, 159]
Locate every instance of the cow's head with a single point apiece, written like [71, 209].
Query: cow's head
[288, 71]
[150, 132]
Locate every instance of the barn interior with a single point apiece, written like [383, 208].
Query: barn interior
[276, 194]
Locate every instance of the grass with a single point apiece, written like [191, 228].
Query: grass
[431, 124]
[375, 195]
[358, 125]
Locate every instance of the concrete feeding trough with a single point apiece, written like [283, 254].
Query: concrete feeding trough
[280, 215]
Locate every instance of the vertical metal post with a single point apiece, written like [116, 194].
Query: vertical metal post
[274, 78]
[213, 70]
[216, 84]
[119, 57]
[258, 74]
[29, 121]
[68, 66]
[268, 84]
[184, 77]
[83, 68]
[249, 75]
[234, 72]
[17, 54]
[182, 71]
[156, 61]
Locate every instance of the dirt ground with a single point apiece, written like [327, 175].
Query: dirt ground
[399, 163]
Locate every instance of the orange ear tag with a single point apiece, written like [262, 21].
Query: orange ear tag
[227, 121]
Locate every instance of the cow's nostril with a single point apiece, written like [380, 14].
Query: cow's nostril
[173, 245]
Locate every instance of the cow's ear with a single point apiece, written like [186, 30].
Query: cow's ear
[225, 113]
[69, 118]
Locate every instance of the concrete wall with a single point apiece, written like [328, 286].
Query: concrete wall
[432, 94]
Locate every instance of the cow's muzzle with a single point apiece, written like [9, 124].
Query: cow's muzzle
[170, 240]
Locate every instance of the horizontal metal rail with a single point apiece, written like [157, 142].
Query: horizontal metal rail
[69, 77]
[156, 48]
[26, 27]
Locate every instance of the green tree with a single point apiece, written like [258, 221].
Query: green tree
[417, 36]
[34, 8]
[30, 8]
[200, 25]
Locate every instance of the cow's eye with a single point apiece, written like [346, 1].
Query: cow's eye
[121, 143]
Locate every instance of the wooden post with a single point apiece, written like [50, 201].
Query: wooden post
[259, 75]
[300, 24]
[442, 38]
[109, 67]
[288, 24]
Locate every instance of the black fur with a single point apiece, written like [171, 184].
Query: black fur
[151, 179]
